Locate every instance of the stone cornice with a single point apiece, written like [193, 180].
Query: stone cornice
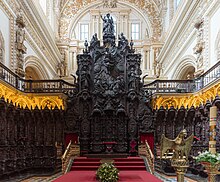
[39, 51]
[40, 33]
[181, 28]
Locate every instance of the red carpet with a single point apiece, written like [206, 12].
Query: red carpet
[131, 169]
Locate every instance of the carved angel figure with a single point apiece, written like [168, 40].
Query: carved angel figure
[181, 146]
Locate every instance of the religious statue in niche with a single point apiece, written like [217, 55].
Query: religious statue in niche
[84, 77]
[62, 65]
[199, 47]
[158, 69]
[61, 69]
[132, 78]
[21, 49]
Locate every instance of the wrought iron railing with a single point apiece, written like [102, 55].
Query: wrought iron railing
[185, 86]
[157, 86]
[39, 86]
[170, 86]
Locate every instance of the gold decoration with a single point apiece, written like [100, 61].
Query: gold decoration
[144, 150]
[186, 99]
[212, 170]
[181, 148]
[31, 99]
[179, 145]
[72, 151]
[180, 166]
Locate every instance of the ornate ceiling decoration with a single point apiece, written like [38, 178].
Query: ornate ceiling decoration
[72, 7]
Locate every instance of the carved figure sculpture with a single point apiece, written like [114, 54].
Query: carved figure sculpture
[113, 4]
[105, 4]
[20, 34]
[108, 27]
[180, 146]
[94, 39]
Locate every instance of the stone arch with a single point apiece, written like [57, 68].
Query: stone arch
[35, 68]
[87, 8]
[71, 8]
[187, 65]
[2, 48]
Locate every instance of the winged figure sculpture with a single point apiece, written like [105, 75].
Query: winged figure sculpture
[180, 146]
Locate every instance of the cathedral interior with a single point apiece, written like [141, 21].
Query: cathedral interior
[118, 80]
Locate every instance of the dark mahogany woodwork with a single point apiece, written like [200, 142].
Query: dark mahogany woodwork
[27, 140]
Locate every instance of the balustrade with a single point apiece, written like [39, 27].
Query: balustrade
[157, 86]
[185, 86]
[34, 86]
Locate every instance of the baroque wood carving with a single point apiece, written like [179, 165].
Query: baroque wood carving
[110, 103]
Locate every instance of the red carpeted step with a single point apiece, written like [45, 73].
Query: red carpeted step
[84, 168]
[85, 163]
[126, 163]
[83, 159]
[130, 163]
[128, 160]
[135, 168]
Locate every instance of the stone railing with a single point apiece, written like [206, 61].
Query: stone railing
[72, 151]
[144, 150]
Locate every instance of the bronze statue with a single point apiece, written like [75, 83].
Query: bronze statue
[180, 146]
[108, 24]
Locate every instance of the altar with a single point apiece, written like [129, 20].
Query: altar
[109, 146]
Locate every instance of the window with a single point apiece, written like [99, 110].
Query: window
[135, 31]
[84, 31]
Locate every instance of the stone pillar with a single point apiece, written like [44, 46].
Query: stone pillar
[95, 23]
[151, 60]
[212, 126]
[75, 52]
